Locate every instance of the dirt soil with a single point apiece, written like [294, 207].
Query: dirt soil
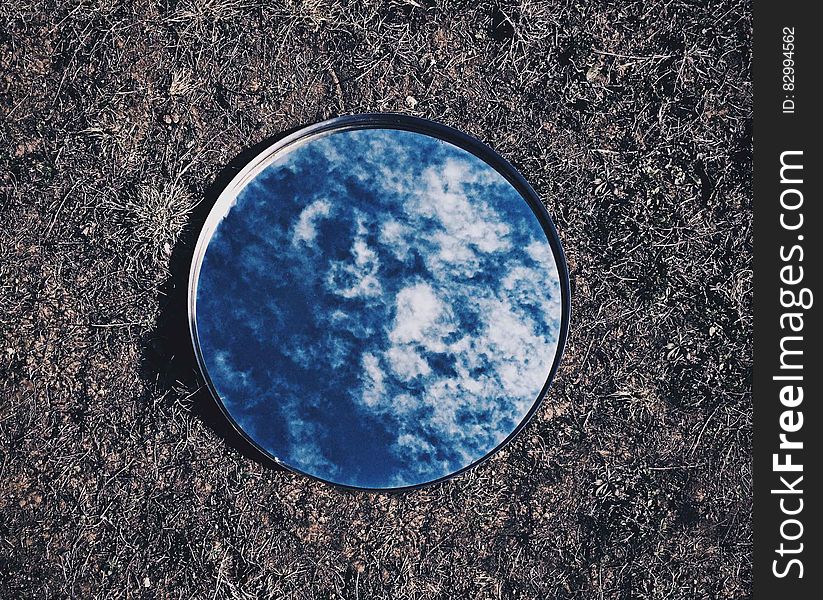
[632, 120]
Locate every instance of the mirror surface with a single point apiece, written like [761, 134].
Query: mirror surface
[378, 308]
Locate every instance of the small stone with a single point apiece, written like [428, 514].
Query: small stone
[146, 582]
[411, 101]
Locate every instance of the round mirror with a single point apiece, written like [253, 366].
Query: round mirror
[378, 301]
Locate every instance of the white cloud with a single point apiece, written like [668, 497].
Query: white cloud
[305, 450]
[405, 404]
[470, 220]
[356, 278]
[421, 318]
[228, 372]
[540, 252]
[419, 453]
[342, 321]
[533, 288]
[457, 173]
[466, 226]
[406, 363]
[395, 236]
[305, 230]
[373, 385]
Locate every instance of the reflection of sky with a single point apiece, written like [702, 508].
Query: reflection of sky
[379, 308]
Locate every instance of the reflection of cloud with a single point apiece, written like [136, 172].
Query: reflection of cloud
[406, 362]
[396, 236]
[357, 276]
[463, 226]
[420, 318]
[305, 230]
[423, 322]
[468, 221]
[304, 440]
[373, 387]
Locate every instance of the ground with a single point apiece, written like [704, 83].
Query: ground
[631, 120]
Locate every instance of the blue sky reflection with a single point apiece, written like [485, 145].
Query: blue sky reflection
[379, 308]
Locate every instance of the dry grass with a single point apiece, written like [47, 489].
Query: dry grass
[632, 120]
